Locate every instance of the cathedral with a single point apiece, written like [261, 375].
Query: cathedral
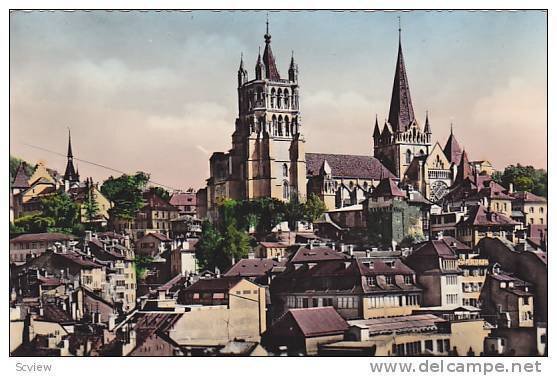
[267, 158]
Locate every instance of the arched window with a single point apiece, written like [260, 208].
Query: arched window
[279, 98]
[408, 156]
[274, 125]
[286, 126]
[285, 170]
[286, 99]
[273, 95]
[280, 125]
[285, 190]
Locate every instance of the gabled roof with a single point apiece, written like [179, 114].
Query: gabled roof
[480, 216]
[223, 284]
[387, 188]
[452, 149]
[153, 201]
[183, 199]
[158, 236]
[44, 237]
[347, 166]
[21, 180]
[528, 197]
[252, 268]
[316, 254]
[436, 248]
[402, 324]
[464, 170]
[317, 321]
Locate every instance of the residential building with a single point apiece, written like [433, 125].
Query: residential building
[302, 330]
[482, 222]
[529, 208]
[271, 250]
[355, 288]
[152, 244]
[185, 202]
[26, 246]
[436, 265]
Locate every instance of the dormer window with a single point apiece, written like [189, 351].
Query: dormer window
[389, 280]
[371, 281]
[408, 279]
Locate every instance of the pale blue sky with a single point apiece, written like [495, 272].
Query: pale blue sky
[156, 91]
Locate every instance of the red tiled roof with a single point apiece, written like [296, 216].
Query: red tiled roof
[214, 284]
[304, 254]
[273, 245]
[49, 281]
[251, 267]
[183, 199]
[528, 197]
[452, 150]
[481, 217]
[45, 237]
[21, 180]
[318, 321]
[387, 188]
[347, 166]
[436, 248]
[53, 313]
[153, 201]
[159, 236]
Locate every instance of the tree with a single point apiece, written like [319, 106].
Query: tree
[14, 165]
[62, 210]
[33, 223]
[161, 192]
[235, 245]
[523, 178]
[270, 212]
[378, 224]
[90, 205]
[314, 208]
[126, 192]
[294, 211]
[208, 250]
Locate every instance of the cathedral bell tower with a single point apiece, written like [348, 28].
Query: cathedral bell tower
[268, 157]
[402, 138]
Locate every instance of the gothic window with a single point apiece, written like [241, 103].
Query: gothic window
[285, 170]
[285, 190]
[273, 95]
[280, 125]
[422, 152]
[279, 98]
[408, 156]
[274, 125]
[286, 99]
[286, 126]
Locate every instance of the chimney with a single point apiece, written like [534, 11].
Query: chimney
[111, 321]
[88, 235]
[393, 245]
[511, 188]
[440, 235]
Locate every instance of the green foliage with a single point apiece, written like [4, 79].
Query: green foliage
[314, 208]
[62, 209]
[33, 223]
[378, 226]
[141, 265]
[208, 251]
[161, 192]
[126, 192]
[90, 205]
[14, 165]
[523, 178]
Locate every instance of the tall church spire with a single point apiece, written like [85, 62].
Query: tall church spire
[70, 175]
[271, 71]
[401, 112]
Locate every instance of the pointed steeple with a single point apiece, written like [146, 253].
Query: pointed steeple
[271, 71]
[401, 112]
[70, 155]
[427, 127]
[376, 131]
[259, 68]
[452, 149]
[293, 70]
[464, 170]
[70, 175]
[242, 73]
[21, 180]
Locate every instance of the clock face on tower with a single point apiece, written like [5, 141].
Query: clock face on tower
[438, 190]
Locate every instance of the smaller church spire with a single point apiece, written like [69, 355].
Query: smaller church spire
[70, 154]
[259, 67]
[427, 128]
[293, 70]
[376, 131]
